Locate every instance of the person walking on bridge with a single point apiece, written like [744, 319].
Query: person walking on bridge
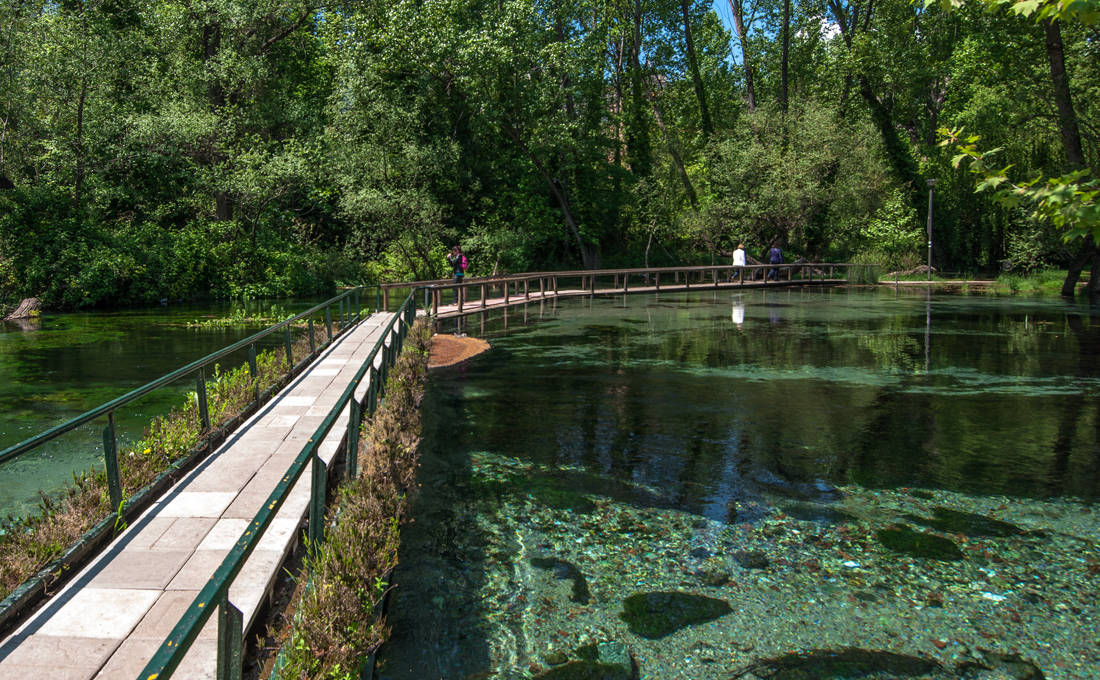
[775, 256]
[739, 261]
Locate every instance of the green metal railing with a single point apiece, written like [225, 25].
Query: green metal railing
[215, 594]
[347, 313]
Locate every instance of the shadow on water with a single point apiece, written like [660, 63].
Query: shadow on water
[438, 618]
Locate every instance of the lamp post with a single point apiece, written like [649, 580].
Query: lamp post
[931, 183]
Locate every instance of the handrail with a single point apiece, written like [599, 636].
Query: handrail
[590, 275]
[216, 591]
[58, 430]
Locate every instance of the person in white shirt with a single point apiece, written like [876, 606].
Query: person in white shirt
[739, 259]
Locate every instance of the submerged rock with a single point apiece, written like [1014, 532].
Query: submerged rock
[840, 665]
[586, 670]
[809, 512]
[656, 615]
[751, 559]
[1011, 664]
[966, 523]
[566, 570]
[902, 539]
[818, 490]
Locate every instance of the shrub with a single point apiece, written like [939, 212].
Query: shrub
[338, 623]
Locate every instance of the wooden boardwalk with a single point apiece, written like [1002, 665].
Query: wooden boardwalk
[496, 299]
[107, 622]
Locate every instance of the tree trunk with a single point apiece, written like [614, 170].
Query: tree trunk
[1067, 118]
[638, 148]
[674, 152]
[696, 77]
[901, 161]
[1089, 253]
[743, 38]
[589, 257]
[783, 68]
[26, 309]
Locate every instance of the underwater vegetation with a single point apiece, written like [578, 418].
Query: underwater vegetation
[655, 615]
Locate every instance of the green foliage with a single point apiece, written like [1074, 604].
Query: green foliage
[1070, 202]
[892, 236]
[338, 621]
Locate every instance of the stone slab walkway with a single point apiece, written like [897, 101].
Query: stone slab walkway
[107, 622]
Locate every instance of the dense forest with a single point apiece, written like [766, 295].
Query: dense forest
[182, 149]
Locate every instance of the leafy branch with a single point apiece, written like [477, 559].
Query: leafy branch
[1069, 201]
[1086, 11]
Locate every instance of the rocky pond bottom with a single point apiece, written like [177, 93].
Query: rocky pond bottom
[514, 570]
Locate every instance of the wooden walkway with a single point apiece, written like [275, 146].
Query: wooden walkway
[107, 622]
[497, 299]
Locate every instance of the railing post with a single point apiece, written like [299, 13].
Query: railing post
[204, 409]
[230, 640]
[626, 282]
[527, 289]
[657, 280]
[378, 299]
[385, 300]
[435, 302]
[542, 286]
[353, 439]
[312, 340]
[110, 459]
[555, 286]
[328, 321]
[461, 293]
[372, 391]
[254, 372]
[507, 297]
[289, 351]
[358, 309]
[317, 491]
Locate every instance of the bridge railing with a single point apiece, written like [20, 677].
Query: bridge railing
[215, 594]
[339, 314]
[476, 292]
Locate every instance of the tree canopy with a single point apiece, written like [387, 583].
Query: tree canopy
[226, 148]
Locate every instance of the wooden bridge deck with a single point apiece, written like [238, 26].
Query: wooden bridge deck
[497, 300]
[107, 622]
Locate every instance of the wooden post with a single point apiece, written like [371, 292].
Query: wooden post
[527, 289]
[555, 287]
[484, 293]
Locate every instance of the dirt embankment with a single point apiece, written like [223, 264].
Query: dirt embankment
[448, 350]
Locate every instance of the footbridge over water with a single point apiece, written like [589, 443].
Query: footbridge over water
[446, 298]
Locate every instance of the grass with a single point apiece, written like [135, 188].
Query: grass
[27, 544]
[337, 622]
[1042, 282]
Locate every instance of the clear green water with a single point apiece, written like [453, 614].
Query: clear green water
[707, 483]
[62, 365]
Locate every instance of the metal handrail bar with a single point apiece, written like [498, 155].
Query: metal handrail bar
[216, 591]
[58, 430]
[472, 280]
[548, 281]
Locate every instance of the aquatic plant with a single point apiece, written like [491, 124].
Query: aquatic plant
[338, 622]
[902, 539]
[27, 544]
[655, 615]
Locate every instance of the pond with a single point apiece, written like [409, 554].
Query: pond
[59, 366]
[785, 484]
